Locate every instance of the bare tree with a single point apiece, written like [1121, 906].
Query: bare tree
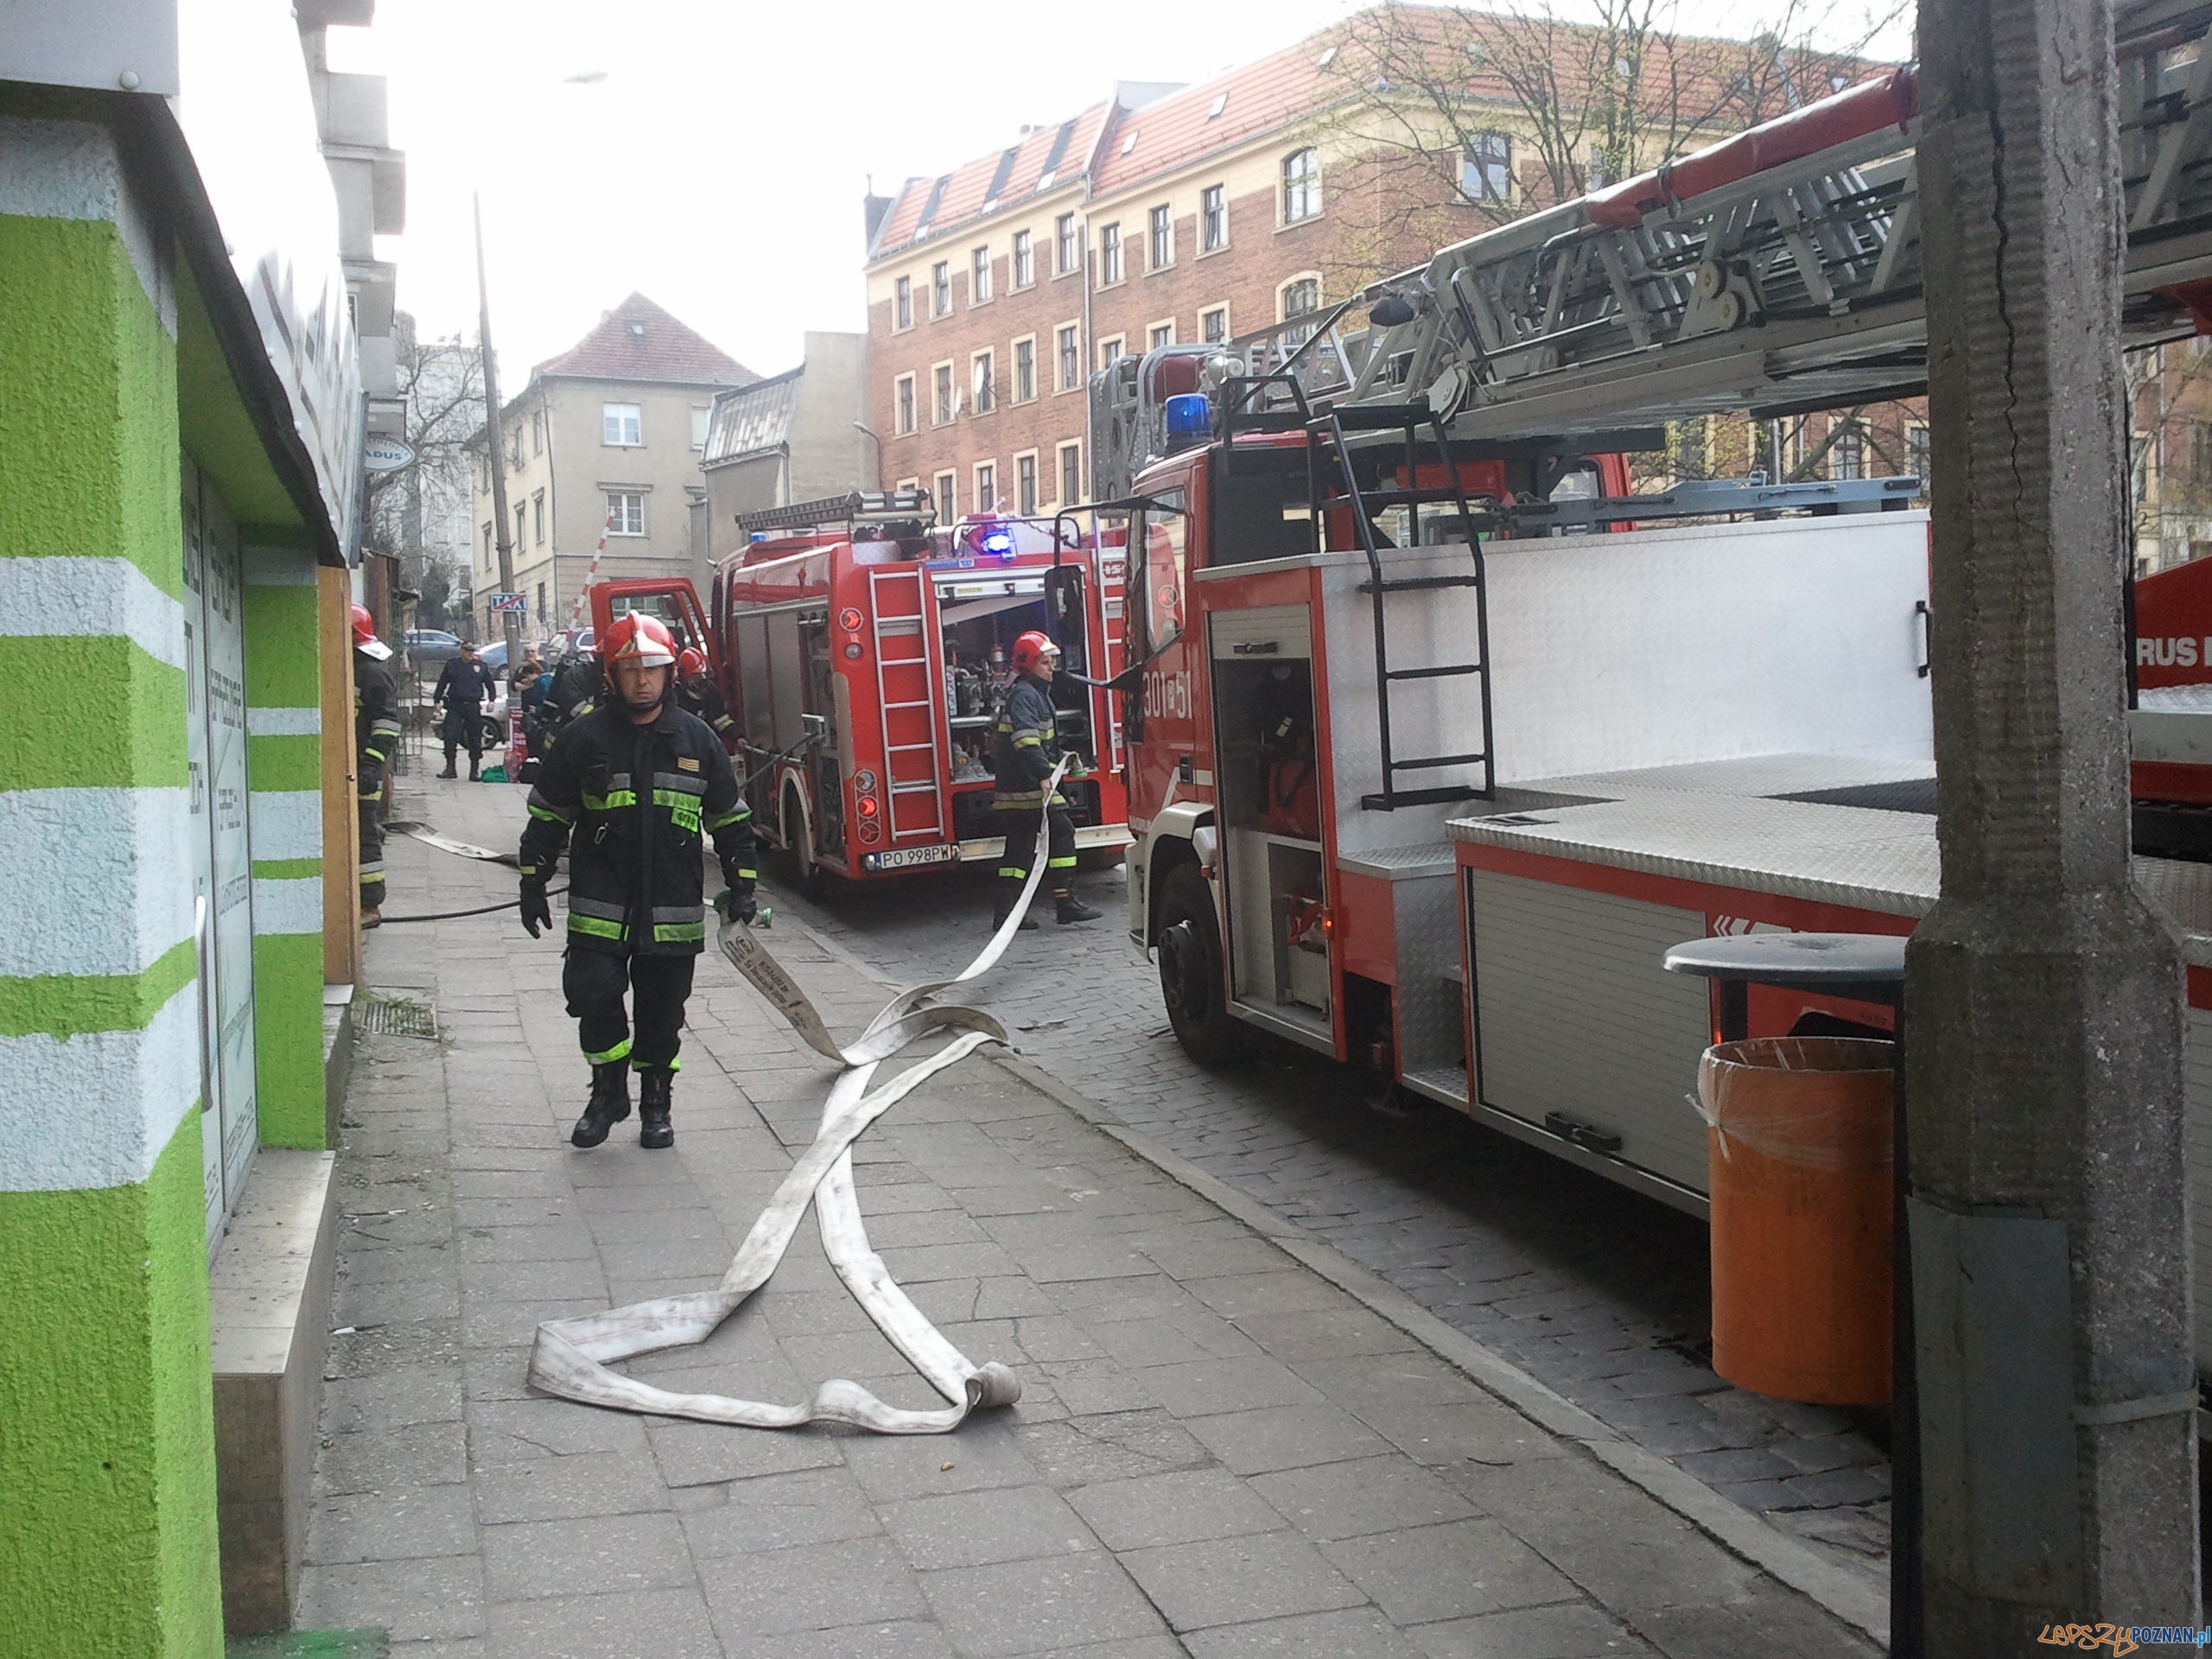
[420, 513]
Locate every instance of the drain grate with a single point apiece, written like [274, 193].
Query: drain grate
[392, 1015]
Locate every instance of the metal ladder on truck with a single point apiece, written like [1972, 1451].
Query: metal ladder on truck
[911, 695]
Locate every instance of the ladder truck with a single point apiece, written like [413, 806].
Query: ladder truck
[1438, 736]
[861, 647]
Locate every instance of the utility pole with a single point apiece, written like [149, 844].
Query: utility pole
[2050, 1255]
[496, 445]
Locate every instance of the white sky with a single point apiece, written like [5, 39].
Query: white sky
[719, 166]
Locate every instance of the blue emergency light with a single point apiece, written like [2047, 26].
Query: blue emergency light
[998, 542]
[1190, 420]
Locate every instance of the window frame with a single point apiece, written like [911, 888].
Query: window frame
[607, 419]
[944, 394]
[538, 518]
[1028, 487]
[940, 289]
[1120, 344]
[1028, 342]
[1221, 311]
[902, 304]
[1112, 257]
[1065, 352]
[905, 406]
[1153, 330]
[1305, 187]
[1068, 453]
[1141, 584]
[979, 277]
[1159, 238]
[983, 478]
[1067, 240]
[1473, 168]
[948, 496]
[1021, 271]
[703, 426]
[983, 381]
[1213, 215]
[613, 528]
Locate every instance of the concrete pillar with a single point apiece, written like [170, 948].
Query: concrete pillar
[2050, 1262]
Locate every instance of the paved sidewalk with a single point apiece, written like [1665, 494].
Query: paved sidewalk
[1218, 1453]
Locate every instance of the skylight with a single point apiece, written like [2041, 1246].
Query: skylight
[1219, 104]
[1128, 144]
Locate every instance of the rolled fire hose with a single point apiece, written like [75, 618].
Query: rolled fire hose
[574, 1358]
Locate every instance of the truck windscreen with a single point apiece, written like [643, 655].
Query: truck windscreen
[1260, 509]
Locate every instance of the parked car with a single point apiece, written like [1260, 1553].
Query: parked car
[430, 649]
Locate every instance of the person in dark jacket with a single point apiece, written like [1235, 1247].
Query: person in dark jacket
[464, 686]
[578, 687]
[698, 694]
[376, 734]
[1027, 748]
[636, 781]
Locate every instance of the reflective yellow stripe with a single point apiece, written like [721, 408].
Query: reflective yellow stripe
[677, 932]
[1028, 742]
[598, 928]
[549, 815]
[1059, 863]
[612, 802]
[1012, 874]
[727, 818]
[607, 1057]
[748, 875]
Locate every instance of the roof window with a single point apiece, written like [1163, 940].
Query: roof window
[1128, 144]
[1219, 104]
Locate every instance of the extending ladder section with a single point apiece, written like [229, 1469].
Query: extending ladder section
[910, 692]
[1327, 452]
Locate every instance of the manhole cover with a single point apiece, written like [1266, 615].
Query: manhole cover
[392, 1015]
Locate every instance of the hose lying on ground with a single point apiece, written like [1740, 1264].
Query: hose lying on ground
[452, 915]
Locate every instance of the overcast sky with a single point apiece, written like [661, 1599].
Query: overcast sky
[719, 164]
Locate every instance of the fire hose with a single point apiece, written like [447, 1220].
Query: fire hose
[573, 1358]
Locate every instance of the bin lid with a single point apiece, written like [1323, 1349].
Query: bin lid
[1871, 964]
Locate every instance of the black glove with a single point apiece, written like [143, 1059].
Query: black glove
[535, 912]
[733, 905]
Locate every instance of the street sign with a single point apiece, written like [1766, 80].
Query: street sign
[385, 454]
[510, 604]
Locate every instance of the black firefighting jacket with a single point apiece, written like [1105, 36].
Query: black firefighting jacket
[702, 697]
[1027, 747]
[637, 798]
[376, 717]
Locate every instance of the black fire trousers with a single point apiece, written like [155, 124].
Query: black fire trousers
[371, 774]
[464, 729]
[594, 981]
[1025, 827]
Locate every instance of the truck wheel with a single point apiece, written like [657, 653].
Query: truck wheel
[1190, 970]
[806, 874]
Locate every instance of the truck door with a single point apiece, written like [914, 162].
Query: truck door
[672, 599]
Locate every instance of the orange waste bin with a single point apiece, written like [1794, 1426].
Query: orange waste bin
[1799, 1136]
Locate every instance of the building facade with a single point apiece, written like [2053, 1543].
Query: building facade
[604, 439]
[801, 435]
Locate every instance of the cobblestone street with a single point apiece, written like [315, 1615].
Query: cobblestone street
[1596, 1291]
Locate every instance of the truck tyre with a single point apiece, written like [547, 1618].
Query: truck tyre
[1190, 970]
[798, 842]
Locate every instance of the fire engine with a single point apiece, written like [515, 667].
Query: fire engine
[1439, 736]
[861, 650]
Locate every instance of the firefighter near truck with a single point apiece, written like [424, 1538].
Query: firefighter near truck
[864, 653]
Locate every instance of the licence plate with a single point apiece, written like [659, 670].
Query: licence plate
[905, 858]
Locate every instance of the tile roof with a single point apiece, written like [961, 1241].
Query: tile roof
[752, 419]
[927, 208]
[637, 340]
[1214, 115]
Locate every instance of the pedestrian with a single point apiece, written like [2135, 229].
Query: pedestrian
[1027, 749]
[376, 734]
[698, 694]
[637, 782]
[464, 684]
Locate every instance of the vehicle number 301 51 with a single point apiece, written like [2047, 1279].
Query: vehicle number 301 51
[1168, 694]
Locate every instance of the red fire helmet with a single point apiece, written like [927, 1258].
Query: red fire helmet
[638, 639]
[1031, 649]
[365, 626]
[692, 661]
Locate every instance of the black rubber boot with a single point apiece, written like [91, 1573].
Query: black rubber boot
[1072, 909]
[473, 764]
[655, 1132]
[448, 772]
[1003, 907]
[609, 1105]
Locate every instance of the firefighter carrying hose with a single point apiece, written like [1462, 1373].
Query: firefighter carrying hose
[638, 781]
[1027, 749]
[376, 734]
[695, 694]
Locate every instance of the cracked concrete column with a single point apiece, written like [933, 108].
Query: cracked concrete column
[2051, 1262]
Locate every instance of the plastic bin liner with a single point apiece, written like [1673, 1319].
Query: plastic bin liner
[1838, 1117]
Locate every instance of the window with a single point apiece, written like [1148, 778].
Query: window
[1070, 359]
[902, 414]
[979, 284]
[623, 424]
[1301, 298]
[1025, 370]
[941, 289]
[980, 378]
[487, 545]
[1847, 454]
[1213, 326]
[1025, 260]
[542, 618]
[948, 507]
[1486, 167]
[537, 431]
[1108, 351]
[522, 519]
[1160, 251]
[537, 517]
[1071, 474]
[1159, 592]
[626, 512]
[942, 416]
[700, 417]
[902, 303]
[987, 487]
[1915, 455]
[1161, 334]
[1025, 483]
[1301, 185]
[1069, 254]
[1213, 219]
[1110, 255]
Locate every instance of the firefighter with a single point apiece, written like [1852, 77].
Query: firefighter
[376, 734]
[463, 685]
[698, 694]
[638, 781]
[1027, 749]
[578, 687]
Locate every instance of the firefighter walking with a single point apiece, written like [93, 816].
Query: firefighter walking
[637, 782]
[376, 734]
[1027, 748]
[698, 694]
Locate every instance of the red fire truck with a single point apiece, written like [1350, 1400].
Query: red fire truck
[861, 650]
